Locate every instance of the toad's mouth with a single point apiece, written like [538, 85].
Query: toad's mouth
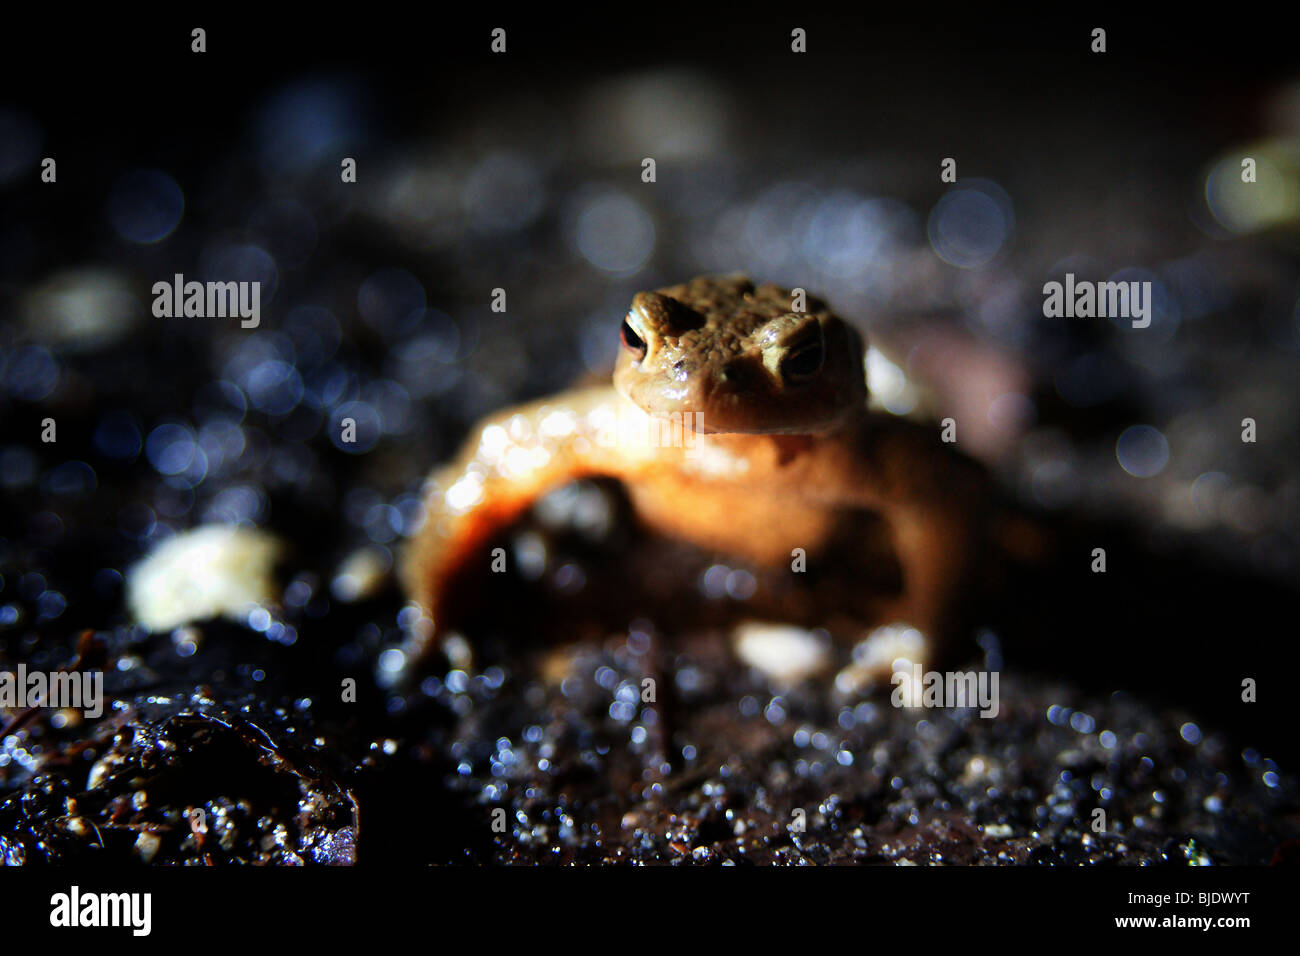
[710, 405]
[715, 413]
[704, 422]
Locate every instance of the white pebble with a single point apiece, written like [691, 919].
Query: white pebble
[211, 571]
[784, 653]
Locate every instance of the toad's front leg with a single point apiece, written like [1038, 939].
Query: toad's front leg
[510, 461]
[937, 505]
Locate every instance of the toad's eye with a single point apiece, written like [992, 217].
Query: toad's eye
[803, 361]
[631, 341]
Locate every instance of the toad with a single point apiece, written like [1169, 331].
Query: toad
[742, 427]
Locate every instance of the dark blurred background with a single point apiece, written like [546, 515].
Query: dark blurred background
[522, 172]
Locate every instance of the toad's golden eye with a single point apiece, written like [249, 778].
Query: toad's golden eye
[631, 341]
[803, 361]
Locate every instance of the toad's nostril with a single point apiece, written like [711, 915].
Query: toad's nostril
[733, 375]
